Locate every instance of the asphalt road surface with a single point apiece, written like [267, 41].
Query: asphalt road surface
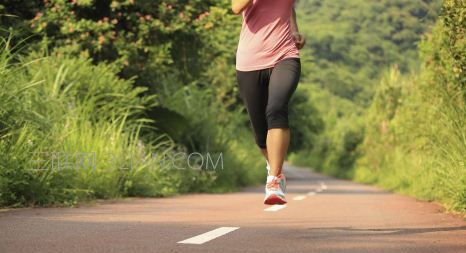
[322, 215]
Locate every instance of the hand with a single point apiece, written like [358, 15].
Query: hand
[299, 40]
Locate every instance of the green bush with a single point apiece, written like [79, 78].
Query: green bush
[334, 148]
[350, 45]
[416, 128]
[152, 40]
[53, 103]
[81, 87]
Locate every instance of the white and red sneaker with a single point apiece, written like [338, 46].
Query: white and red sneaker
[275, 190]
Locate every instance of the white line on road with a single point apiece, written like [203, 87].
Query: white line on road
[202, 238]
[300, 197]
[323, 185]
[311, 193]
[318, 190]
[274, 208]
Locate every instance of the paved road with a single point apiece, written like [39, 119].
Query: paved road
[322, 215]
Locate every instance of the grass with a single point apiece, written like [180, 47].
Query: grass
[53, 102]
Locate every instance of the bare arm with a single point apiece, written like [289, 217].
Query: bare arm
[237, 6]
[293, 23]
[299, 38]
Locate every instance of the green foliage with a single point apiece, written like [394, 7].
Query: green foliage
[54, 103]
[207, 129]
[305, 122]
[412, 138]
[156, 41]
[334, 148]
[353, 41]
[127, 76]
[416, 126]
[454, 13]
[351, 44]
[180, 51]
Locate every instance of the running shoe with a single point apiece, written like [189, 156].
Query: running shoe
[275, 190]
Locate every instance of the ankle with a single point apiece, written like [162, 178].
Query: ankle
[270, 178]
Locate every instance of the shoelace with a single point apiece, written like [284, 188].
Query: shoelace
[274, 184]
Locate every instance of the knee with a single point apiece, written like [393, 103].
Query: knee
[277, 116]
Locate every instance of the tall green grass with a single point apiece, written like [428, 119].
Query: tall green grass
[413, 136]
[416, 131]
[52, 103]
[211, 127]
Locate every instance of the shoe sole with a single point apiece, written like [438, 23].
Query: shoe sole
[274, 200]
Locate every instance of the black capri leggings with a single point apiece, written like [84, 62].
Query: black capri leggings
[266, 94]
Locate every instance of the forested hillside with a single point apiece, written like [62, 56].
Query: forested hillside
[353, 42]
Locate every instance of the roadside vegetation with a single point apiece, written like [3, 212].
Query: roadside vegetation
[381, 98]
[390, 85]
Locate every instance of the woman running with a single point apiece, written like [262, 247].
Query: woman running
[268, 69]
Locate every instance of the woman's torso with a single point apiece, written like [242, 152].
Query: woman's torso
[265, 35]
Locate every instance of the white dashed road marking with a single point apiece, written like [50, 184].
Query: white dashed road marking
[300, 197]
[274, 208]
[311, 193]
[202, 238]
[323, 185]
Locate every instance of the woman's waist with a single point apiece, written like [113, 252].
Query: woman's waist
[266, 48]
[248, 57]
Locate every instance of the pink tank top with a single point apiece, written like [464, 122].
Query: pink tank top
[265, 35]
